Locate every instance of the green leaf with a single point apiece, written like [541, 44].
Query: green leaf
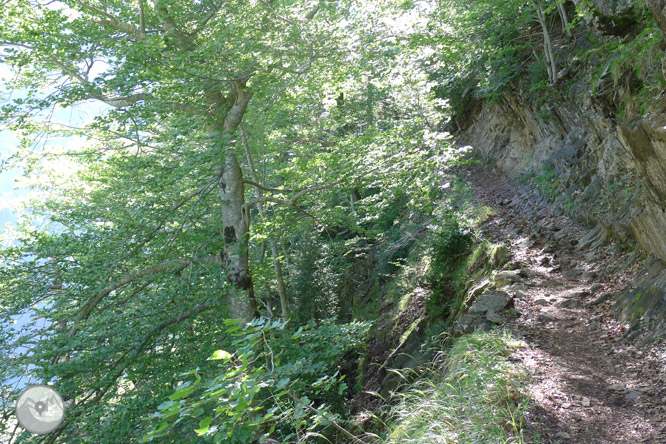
[185, 389]
[204, 425]
[297, 334]
[165, 405]
[281, 383]
[163, 425]
[220, 354]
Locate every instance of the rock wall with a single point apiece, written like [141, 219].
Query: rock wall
[606, 174]
[602, 156]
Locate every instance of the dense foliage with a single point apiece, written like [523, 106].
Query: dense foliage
[273, 382]
[248, 157]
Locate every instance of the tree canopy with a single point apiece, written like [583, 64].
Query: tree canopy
[239, 143]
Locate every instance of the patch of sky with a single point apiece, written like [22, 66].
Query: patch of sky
[14, 191]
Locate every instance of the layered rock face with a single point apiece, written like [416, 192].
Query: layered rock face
[603, 161]
[605, 174]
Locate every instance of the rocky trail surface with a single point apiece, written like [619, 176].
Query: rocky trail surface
[589, 384]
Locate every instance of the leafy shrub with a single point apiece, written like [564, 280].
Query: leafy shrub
[450, 246]
[277, 383]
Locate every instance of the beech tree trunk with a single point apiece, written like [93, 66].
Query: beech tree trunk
[235, 217]
[236, 221]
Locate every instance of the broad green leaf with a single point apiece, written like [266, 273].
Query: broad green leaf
[220, 355]
[204, 425]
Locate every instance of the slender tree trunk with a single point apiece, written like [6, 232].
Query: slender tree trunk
[547, 45]
[564, 19]
[279, 276]
[282, 288]
[286, 257]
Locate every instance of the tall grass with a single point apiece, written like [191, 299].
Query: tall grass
[475, 395]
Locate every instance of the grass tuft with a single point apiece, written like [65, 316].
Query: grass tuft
[476, 395]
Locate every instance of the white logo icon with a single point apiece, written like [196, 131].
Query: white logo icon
[40, 409]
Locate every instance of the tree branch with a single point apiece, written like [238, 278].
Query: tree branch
[122, 102]
[315, 218]
[292, 202]
[116, 102]
[279, 276]
[112, 21]
[142, 16]
[265, 188]
[74, 74]
[237, 111]
[101, 391]
[87, 309]
[202, 191]
[71, 72]
[169, 25]
[206, 19]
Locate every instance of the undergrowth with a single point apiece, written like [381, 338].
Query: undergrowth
[475, 395]
[450, 245]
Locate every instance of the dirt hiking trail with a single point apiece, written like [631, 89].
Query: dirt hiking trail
[589, 385]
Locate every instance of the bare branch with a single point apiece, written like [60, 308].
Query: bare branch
[142, 16]
[92, 303]
[315, 218]
[76, 75]
[265, 188]
[291, 202]
[206, 19]
[202, 191]
[71, 72]
[121, 102]
[116, 102]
